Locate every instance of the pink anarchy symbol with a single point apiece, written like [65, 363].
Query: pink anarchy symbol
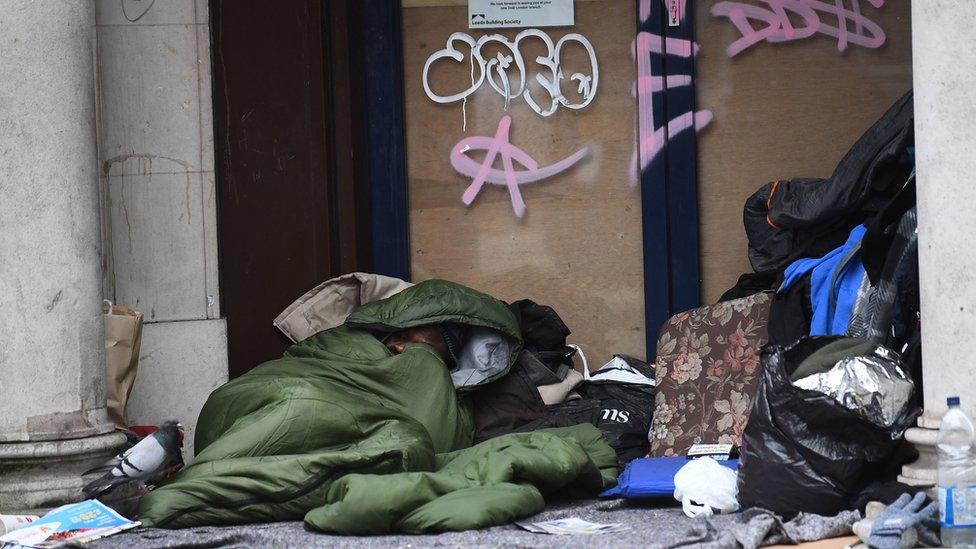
[500, 145]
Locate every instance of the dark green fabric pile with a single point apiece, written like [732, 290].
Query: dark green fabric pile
[353, 439]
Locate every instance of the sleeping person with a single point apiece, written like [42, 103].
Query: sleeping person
[447, 339]
[365, 396]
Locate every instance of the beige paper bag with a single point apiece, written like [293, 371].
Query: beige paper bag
[123, 337]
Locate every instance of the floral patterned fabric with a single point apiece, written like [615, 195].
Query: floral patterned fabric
[707, 371]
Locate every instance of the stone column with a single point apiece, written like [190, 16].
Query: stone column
[944, 69]
[52, 371]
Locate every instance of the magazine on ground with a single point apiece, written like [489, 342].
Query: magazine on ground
[77, 523]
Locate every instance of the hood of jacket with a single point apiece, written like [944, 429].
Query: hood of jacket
[329, 304]
[494, 340]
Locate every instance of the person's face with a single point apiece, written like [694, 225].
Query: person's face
[428, 335]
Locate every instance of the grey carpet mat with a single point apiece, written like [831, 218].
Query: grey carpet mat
[651, 526]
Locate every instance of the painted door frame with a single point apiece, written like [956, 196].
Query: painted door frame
[669, 174]
[669, 184]
[389, 206]
[292, 194]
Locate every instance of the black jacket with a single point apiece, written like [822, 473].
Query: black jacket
[793, 218]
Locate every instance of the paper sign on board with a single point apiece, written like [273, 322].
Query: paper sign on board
[484, 14]
[674, 13]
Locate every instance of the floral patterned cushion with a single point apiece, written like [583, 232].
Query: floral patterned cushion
[707, 371]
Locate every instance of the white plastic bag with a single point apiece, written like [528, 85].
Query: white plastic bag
[704, 486]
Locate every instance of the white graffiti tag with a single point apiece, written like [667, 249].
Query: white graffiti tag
[496, 70]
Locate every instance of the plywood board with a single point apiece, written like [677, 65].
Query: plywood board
[578, 247]
[782, 110]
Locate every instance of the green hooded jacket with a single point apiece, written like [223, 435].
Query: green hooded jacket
[339, 430]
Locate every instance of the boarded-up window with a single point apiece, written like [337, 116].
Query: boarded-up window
[577, 246]
[781, 106]
[785, 109]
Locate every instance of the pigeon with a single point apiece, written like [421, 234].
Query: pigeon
[147, 458]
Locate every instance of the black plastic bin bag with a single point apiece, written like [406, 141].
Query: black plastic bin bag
[802, 451]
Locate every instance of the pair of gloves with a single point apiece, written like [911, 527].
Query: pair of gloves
[906, 512]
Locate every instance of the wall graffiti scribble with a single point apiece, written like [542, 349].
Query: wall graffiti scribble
[776, 25]
[651, 138]
[500, 145]
[495, 70]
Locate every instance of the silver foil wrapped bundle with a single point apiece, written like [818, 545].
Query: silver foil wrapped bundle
[872, 385]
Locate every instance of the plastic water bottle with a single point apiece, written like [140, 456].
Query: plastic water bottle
[957, 477]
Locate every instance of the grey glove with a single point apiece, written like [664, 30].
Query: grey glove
[928, 530]
[904, 513]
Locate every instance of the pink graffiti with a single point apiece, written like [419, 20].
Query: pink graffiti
[776, 25]
[644, 10]
[510, 177]
[652, 139]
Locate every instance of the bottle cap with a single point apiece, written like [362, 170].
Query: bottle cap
[952, 401]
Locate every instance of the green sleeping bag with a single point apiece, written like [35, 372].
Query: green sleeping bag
[354, 439]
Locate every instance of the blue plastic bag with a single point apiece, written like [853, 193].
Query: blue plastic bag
[646, 478]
